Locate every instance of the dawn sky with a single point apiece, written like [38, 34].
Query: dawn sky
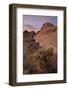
[38, 21]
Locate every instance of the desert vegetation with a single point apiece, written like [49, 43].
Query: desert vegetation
[40, 59]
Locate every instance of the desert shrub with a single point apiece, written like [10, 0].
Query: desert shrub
[49, 53]
[39, 61]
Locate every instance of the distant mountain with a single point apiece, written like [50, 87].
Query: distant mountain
[47, 36]
[30, 28]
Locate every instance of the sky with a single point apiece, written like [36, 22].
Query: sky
[38, 21]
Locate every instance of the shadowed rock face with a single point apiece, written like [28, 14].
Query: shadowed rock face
[39, 50]
[27, 37]
[29, 47]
